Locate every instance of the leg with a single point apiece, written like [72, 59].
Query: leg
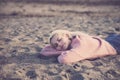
[114, 40]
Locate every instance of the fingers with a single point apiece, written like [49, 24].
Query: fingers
[78, 37]
[76, 40]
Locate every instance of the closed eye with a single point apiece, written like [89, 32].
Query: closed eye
[59, 39]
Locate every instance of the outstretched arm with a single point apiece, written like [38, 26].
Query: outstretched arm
[50, 51]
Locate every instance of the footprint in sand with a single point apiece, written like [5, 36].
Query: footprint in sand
[31, 74]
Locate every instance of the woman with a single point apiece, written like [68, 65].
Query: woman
[75, 46]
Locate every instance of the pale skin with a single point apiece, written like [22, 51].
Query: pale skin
[62, 41]
[72, 49]
[58, 44]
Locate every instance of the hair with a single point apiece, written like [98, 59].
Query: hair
[57, 32]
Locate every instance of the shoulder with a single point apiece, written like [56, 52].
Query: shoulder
[80, 33]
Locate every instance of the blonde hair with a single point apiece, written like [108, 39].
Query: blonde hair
[59, 32]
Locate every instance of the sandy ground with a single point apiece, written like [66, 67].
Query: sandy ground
[25, 28]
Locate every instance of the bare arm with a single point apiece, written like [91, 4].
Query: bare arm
[50, 51]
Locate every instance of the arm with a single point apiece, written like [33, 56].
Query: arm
[50, 51]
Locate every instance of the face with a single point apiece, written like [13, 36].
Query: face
[60, 41]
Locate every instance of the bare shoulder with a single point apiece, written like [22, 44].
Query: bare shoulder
[80, 33]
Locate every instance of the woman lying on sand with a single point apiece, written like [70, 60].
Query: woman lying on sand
[75, 46]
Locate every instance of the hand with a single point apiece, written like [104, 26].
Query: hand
[76, 41]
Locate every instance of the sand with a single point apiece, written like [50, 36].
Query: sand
[25, 29]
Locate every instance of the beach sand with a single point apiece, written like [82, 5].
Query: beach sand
[25, 27]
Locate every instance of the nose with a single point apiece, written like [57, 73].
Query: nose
[58, 43]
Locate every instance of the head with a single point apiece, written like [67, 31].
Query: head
[60, 39]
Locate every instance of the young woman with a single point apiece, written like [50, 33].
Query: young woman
[75, 46]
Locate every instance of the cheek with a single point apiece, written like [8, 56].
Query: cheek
[67, 41]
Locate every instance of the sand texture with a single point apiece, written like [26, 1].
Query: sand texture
[26, 25]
